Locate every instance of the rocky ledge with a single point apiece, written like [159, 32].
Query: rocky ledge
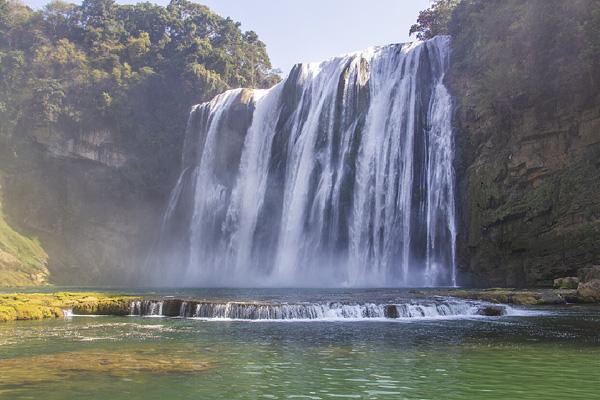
[34, 306]
[583, 288]
[516, 296]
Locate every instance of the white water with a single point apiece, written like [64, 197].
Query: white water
[341, 175]
[326, 311]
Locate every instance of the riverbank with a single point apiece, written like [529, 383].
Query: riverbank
[35, 306]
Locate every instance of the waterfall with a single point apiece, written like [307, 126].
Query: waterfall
[430, 308]
[340, 175]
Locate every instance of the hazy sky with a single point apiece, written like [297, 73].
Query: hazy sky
[314, 30]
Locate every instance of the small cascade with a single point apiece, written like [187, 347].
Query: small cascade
[146, 308]
[436, 308]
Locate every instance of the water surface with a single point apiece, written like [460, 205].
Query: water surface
[552, 354]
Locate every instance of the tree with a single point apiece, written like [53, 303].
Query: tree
[133, 69]
[434, 21]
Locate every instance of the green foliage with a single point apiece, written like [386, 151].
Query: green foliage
[133, 69]
[526, 53]
[434, 21]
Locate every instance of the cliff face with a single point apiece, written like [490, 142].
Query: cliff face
[23, 261]
[69, 191]
[528, 139]
[530, 197]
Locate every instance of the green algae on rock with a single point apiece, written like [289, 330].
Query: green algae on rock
[52, 367]
[18, 306]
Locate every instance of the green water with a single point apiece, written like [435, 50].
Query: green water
[550, 356]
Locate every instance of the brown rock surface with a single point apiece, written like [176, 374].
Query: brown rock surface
[590, 290]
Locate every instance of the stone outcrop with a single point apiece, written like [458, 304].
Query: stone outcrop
[589, 291]
[589, 287]
[570, 282]
[527, 121]
[491, 311]
[23, 262]
[71, 192]
[94, 144]
[529, 198]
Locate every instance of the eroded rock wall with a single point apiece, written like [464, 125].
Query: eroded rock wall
[70, 192]
[529, 195]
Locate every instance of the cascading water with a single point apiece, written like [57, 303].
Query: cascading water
[424, 308]
[340, 175]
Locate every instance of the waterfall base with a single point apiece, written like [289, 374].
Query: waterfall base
[308, 311]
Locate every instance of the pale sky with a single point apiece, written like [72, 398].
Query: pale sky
[314, 30]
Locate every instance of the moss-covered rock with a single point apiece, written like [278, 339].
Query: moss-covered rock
[41, 306]
[569, 282]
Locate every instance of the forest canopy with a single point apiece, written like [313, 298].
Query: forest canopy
[514, 54]
[134, 69]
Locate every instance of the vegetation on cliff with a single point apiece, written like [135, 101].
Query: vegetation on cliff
[527, 53]
[434, 20]
[23, 262]
[526, 78]
[520, 53]
[132, 69]
[113, 84]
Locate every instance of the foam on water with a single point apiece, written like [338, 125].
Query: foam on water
[439, 308]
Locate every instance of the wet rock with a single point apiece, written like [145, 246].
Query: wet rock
[589, 291]
[171, 308]
[491, 311]
[390, 311]
[554, 297]
[569, 295]
[525, 298]
[514, 296]
[569, 282]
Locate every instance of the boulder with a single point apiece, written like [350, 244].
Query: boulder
[171, 307]
[390, 311]
[491, 311]
[589, 291]
[588, 274]
[569, 282]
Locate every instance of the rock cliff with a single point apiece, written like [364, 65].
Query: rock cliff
[530, 198]
[71, 193]
[23, 261]
[528, 139]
